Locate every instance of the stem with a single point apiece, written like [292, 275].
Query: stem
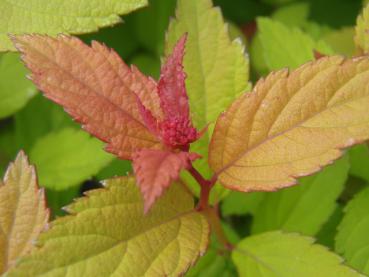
[210, 212]
[206, 186]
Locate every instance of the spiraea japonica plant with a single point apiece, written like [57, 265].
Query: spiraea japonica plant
[195, 134]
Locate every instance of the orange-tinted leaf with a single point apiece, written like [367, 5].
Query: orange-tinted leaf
[96, 87]
[172, 90]
[23, 213]
[292, 124]
[155, 170]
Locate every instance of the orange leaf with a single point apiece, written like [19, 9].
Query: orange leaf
[155, 170]
[23, 213]
[292, 124]
[96, 87]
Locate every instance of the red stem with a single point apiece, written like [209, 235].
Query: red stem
[203, 205]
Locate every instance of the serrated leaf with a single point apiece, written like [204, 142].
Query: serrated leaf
[328, 231]
[15, 89]
[292, 124]
[359, 161]
[216, 67]
[60, 16]
[68, 157]
[362, 30]
[287, 47]
[91, 83]
[155, 171]
[302, 208]
[276, 254]
[108, 235]
[352, 239]
[23, 213]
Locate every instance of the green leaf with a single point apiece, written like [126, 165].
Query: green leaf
[296, 14]
[352, 239]
[68, 157]
[216, 67]
[359, 161]
[15, 88]
[239, 203]
[277, 254]
[328, 231]
[302, 208]
[60, 16]
[108, 235]
[287, 47]
[341, 41]
[37, 119]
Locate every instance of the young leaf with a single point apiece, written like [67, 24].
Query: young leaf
[292, 124]
[68, 157]
[352, 238]
[155, 170]
[275, 254]
[15, 89]
[60, 16]
[108, 235]
[302, 208]
[96, 87]
[217, 68]
[362, 31]
[287, 47]
[23, 213]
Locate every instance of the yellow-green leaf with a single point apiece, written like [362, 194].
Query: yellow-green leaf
[216, 67]
[362, 30]
[60, 16]
[23, 213]
[277, 254]
[108, 235]
[292, 124]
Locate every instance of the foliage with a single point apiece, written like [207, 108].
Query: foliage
[200, 144]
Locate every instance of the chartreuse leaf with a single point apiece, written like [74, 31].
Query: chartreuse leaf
[352, 239]
[359, 161]
[362, 30]
[277, 254]
[60, 16]
[292, 124]
[23, 213]
[287, 47]
[296, 209]
[15, 88]
[68, 157]
[216, 67]
[108, 235]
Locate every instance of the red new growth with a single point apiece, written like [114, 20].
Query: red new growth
[175, 130]
[118, 104]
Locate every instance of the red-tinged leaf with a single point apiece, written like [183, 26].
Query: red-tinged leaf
[171, 87]
[155, 170]
[96, 87]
